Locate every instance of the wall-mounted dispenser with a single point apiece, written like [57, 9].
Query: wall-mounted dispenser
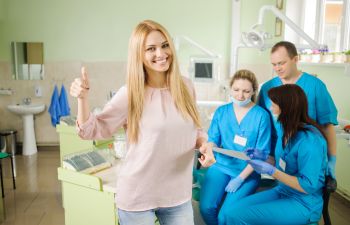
[38, 91]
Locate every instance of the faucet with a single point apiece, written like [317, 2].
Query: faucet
[27, 101]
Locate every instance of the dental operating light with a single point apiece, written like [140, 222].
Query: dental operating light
[256, 38]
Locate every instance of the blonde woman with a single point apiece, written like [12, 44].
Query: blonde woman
[158, 108]
[239, 125]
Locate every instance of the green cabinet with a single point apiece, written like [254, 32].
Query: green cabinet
[342, 167]
[84, 199]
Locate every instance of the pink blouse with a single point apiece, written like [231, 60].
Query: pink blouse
[157, 170]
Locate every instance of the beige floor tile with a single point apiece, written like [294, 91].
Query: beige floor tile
[37, 199]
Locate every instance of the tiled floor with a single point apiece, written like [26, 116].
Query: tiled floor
[37, 199]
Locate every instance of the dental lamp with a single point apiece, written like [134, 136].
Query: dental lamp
[256, 38]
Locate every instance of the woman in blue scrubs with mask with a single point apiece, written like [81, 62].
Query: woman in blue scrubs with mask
[237, 126]
[301, 161]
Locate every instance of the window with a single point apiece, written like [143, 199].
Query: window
[326, 21]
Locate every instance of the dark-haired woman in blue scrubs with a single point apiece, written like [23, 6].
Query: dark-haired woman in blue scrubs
[301, 161]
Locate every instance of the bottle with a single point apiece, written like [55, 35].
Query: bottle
[120, 146]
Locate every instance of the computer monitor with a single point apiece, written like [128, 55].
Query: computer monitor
[203, 69]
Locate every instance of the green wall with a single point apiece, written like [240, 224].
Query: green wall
[337, 84]
[94, 30]
[99, 30]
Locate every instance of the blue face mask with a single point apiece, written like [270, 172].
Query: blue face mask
[241, 103]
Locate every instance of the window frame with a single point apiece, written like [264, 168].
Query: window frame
[345, 24]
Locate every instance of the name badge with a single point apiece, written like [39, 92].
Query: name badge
[282, 164]
[240, 140]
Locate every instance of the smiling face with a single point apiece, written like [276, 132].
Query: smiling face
[242, 89]
[283, 65]
[157, 54]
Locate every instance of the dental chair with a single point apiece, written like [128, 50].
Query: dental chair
[330, 187]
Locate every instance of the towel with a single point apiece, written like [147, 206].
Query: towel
[54, 109]
[64, 105]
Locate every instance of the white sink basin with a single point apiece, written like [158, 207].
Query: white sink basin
[27, 112]
[26, 109]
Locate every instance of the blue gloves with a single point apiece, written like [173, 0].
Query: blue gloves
[234, 184]
[262, 167]
[254, 153]
[331, 165]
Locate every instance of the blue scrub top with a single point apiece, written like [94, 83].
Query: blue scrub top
[255, 127]
[306, 158]
[321, 107]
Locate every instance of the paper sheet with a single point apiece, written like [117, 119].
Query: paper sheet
[232, 153]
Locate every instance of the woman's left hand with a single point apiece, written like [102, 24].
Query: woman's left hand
[207, 158]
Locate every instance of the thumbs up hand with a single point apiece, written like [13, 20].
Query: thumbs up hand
[80, 86]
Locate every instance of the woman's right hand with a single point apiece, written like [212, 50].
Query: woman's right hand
[80, 86]
[207, 158]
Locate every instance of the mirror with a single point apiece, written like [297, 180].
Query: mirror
[28, 60]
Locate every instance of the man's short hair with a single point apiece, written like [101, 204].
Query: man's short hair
[290, 47]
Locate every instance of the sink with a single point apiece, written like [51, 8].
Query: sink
[27, 113]
[26, 109]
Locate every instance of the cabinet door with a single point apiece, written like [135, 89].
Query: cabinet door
[83, 205]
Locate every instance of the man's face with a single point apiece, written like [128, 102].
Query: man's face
[282, 64]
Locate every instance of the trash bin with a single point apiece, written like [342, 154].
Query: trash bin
[8, 144]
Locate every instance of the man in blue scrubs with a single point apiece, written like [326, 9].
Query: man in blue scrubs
[321, 108]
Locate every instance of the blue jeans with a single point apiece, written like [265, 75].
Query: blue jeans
[181, 214]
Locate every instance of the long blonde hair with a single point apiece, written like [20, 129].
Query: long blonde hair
[136, 80]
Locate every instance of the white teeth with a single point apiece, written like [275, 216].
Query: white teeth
[161, 61]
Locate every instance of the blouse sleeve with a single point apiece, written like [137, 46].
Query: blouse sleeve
[106, 123]
[200, 132]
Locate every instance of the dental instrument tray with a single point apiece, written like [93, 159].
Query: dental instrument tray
[68, 120]
[89, 162]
